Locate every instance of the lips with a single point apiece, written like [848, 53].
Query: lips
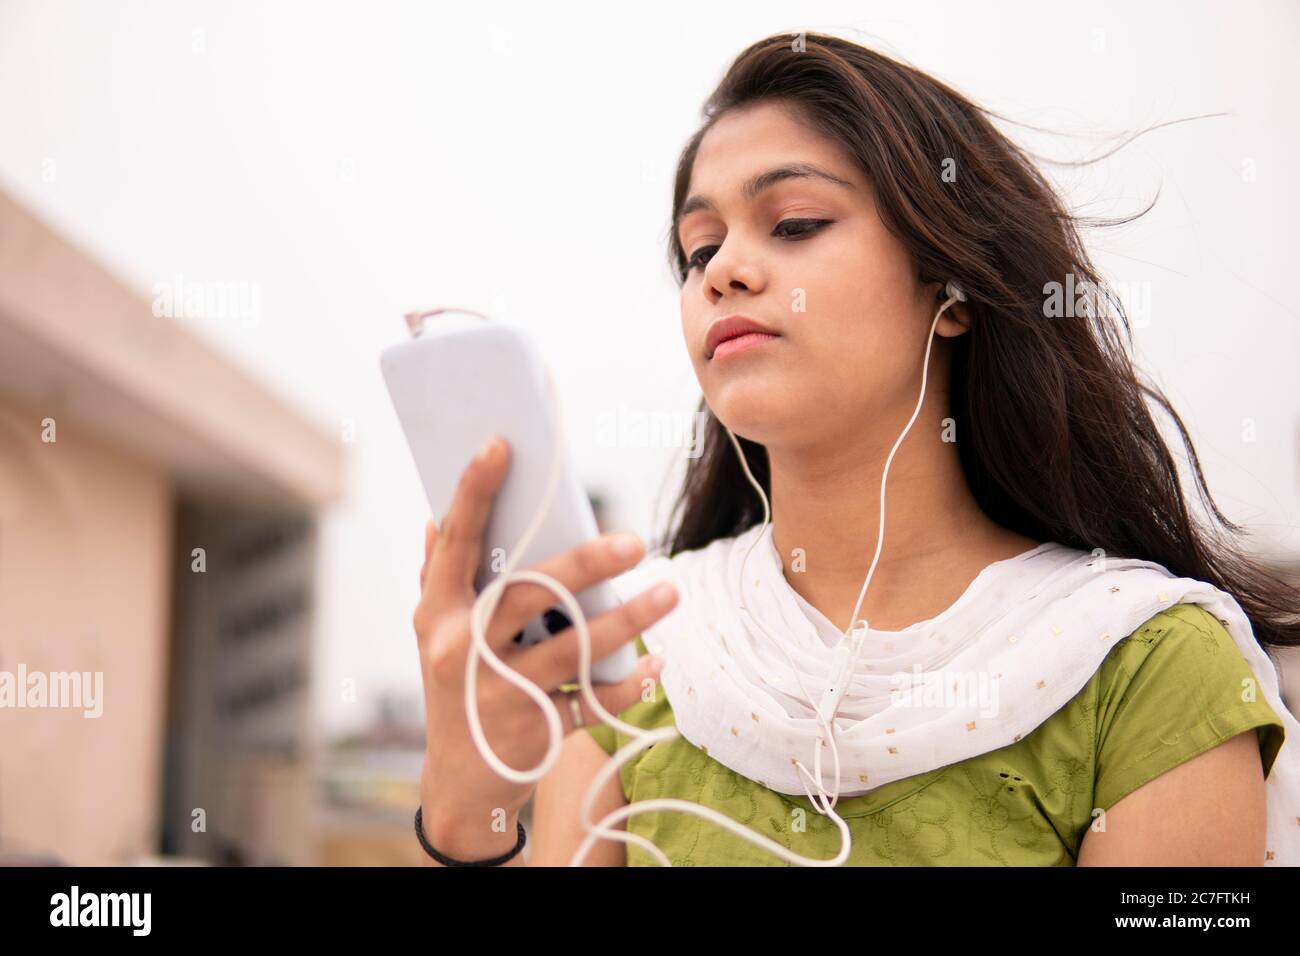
[733, 326]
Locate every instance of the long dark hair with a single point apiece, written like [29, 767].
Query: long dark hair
[1054, 433]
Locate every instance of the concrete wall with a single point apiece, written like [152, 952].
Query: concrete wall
[85, 535]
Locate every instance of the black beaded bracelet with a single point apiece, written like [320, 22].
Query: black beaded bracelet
[448, 861]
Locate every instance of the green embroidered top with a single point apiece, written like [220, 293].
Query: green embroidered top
[1167, 692]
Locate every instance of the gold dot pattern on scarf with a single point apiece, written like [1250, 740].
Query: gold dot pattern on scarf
[1105, 636]
[753, 715]
[1055, 629]
[1114, 590]
[735, 732]
[1011, 639]
[970, 725]
[1042, 684]
[863, 778]
[893, 750]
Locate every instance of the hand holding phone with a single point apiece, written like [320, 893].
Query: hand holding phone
[458, 785]
[516, 501]
[462, 378]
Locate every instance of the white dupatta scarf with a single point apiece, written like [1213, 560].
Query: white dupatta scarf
[1020, 642]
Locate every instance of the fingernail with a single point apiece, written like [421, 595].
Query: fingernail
[663, 594]
[656, 666]
[624, 544]
[487, 449]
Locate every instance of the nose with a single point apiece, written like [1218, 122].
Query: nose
[731, 269]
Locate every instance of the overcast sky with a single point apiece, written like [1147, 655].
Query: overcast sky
[353, 161]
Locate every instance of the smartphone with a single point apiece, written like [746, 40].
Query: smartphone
[460, 378]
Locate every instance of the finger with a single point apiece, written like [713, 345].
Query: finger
[576, 569]
[453, 562]
[615, 698]
[430, 534]
[551, 662]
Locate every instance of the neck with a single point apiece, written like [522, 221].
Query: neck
[826, 518]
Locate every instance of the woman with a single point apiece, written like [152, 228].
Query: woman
[828, 201]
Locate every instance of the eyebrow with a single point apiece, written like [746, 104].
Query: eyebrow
[763, 181]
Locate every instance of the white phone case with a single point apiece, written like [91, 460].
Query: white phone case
[461, 379]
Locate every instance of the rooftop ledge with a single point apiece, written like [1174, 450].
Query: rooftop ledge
[75, 341]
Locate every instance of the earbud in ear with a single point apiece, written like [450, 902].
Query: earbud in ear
[954, 291]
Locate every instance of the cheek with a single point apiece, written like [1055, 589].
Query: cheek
[866, 290]
[863, 353]
[690, 323]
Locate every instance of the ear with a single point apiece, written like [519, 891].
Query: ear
[955, 319]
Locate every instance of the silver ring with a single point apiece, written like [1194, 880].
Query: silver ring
[575, 708]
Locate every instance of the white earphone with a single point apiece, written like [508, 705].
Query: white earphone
[846, 655]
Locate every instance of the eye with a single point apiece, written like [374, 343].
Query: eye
[694, 261]
[790, 229]
[804, 227]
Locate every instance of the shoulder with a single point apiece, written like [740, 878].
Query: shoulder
[1173, 689]
[1184, 640]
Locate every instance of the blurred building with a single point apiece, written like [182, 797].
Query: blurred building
[158, 513]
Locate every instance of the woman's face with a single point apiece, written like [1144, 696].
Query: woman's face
[806, 256]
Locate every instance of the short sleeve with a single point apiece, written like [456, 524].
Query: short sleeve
[605, 737]
[603, 733]
[1175, 688]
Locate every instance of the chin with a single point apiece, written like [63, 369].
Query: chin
[755, 408]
